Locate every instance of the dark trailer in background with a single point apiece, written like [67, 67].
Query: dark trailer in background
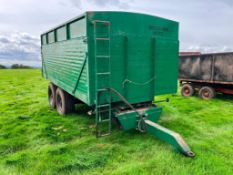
[206, 74]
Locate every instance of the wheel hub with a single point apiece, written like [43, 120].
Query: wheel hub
[59, 103]
[187, 91]
[206, 94]
[51, 99]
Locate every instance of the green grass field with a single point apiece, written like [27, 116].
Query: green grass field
[36, 140]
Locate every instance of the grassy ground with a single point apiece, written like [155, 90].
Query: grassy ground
[36, 140]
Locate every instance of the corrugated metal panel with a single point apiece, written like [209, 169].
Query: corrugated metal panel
[63, 62]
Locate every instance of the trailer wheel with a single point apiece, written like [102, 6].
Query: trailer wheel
[51, 95]
[64, 102]
[187, 90]
[206, 93]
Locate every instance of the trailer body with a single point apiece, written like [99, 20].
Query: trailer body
[141, 47]
[210, 70]
[115, 62]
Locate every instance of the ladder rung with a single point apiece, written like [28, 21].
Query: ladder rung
[104, 73]
[102, 38]
[107, 22]
[104, 135]
[102, 90]
[103, 56]
[104, 121]
[105, 105]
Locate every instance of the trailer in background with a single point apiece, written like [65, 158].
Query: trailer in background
[206, 74]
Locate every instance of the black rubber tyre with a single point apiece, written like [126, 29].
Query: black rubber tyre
[207, 93]
[187, 90]
[64, 102]
[52, 95]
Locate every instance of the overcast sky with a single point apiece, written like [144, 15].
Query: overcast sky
[205, 25]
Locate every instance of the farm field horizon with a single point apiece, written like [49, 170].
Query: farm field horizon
[35, 139]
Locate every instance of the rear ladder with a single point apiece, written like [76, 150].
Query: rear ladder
[103, 77]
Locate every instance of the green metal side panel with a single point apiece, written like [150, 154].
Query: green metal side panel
[144, 55]
[166, 66]
[64, 63]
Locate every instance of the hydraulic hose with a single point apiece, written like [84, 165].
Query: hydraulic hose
[141, 119]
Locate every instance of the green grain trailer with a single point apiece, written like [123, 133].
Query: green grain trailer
[115, 62]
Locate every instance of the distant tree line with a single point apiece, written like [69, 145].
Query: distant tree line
[2, 67]
[20, 66]
[16, 66]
